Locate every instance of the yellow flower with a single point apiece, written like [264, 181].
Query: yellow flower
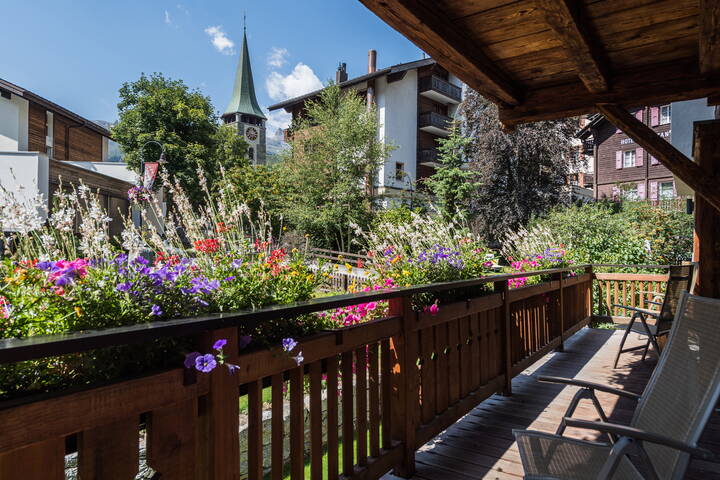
[294, 250]
[406, 272]
[78, 311]
[261, 255]
[310, 277]
[395, 260]
[349, 267]
[284, 228]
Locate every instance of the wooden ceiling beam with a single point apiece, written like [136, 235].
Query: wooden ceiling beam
[426, 25]
[685, 169]
[709, 48]
[565, 20]
[651, 85]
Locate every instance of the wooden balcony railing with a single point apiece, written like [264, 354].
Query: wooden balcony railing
[630, 289]
[451, 93]
[368, 395]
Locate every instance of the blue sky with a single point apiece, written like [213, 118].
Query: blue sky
[78, 53]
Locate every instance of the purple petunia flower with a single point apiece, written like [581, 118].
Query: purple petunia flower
[219, 344]
[45, 266]
[156, 310]
[205, 363]
[229, 279]
[289, 344]
[123, 287]
[190, 359]
[232, 367]
[298, 358]
[244, 340]
[237, 263]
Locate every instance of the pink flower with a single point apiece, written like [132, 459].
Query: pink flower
[432, 309]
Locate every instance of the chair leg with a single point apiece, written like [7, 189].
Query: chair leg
[651, 337]
[622, 342]
[645, 351]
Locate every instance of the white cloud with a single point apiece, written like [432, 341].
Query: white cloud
[220, 40]
[276, 57]
[300, 81]
[168, 20]
[277, 119]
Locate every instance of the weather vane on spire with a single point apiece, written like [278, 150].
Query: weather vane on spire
[244, 22]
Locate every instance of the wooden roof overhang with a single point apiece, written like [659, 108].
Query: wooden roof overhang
[548, 59]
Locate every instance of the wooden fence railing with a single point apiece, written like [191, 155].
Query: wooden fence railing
[632, 289]
[370, 394]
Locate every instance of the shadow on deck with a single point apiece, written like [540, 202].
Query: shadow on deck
[481, 444]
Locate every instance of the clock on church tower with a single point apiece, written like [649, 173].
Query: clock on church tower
[244, 112]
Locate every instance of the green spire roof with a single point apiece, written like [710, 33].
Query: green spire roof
[243, 97]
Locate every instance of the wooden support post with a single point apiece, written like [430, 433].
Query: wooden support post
[405, 391]
[561, 347]
[504, 288]
[223, 415]
[707, 218]
[704, 184]
[709, 51]
[589, 305]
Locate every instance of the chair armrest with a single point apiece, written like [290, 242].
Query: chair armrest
[655, 303]
[590, 385]
[655, 294]
[642, 435]
[644, 311]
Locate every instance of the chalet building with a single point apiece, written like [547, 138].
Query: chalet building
[415, 103]
[42, 142]
[622, 168]
[244, 112]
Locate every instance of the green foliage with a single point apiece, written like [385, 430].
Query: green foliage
[393, 216]
[609, 233]
[261, 187]
[183, 120]
[330, 167]
[453, 183]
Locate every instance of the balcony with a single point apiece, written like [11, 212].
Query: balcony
[440, 90]
[414, 391]
[429, 157]
[435, 123]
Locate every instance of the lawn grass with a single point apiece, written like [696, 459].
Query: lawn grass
[266, 398]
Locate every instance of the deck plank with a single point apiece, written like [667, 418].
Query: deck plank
[481, 444]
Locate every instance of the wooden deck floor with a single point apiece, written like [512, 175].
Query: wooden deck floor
[481, 445]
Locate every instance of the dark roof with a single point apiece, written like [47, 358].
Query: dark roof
[243, 97]
[33, 97]
[401, 67]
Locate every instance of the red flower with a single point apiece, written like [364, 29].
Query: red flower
[359, 264]
[221, 227]
[209, 245]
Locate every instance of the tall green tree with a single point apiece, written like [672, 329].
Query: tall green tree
[521, 174]
[453, 183]
[165, 110]
[330, 167]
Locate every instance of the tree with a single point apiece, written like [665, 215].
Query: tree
[522, 173]
[330, 166]
[453, 183]
[167, 111]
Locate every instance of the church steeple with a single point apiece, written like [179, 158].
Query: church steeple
[243, 100]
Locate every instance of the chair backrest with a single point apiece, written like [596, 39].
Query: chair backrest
[685, 385]
[680, 280]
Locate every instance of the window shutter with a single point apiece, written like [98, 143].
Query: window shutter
[653, 190]
[653, 160]
[654, 116]
[639, 157]
[618, 159]
[641, 190]
[639, 114]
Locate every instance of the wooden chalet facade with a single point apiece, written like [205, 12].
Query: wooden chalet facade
[624, 169]
[34, 130]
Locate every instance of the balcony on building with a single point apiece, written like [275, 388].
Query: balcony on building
[435, 123]
[429, 157]
[440, 90]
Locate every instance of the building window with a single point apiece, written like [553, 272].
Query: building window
[631, 193]
[399, 170]
[251, 154]
[666, 190]
[665, 114]
[628, 158]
